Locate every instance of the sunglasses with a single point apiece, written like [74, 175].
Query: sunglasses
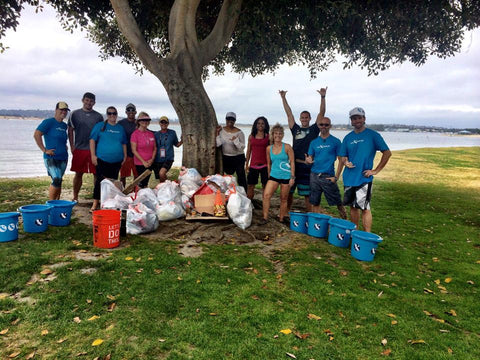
[130, 109]
[111, 113]
[326, 125]
[163, 122]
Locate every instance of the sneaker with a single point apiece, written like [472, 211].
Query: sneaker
[286, 220]
[263, 222]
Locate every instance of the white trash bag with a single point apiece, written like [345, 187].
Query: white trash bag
[239, 208]
[141, 219]
[146, 197]
[111, 197]
[170, 203]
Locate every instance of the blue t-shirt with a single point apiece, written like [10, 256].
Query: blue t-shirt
[109, 142]
[302, 137]
[165, 141]
[360, 149]
[55, 135]
[325, 152]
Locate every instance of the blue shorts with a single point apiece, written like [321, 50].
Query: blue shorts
[55, 169]
[302, 179]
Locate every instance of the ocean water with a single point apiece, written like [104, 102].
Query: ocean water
[20, 156]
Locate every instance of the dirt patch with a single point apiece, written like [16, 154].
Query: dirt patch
[88, 271]
[89, 256]
[270, 237]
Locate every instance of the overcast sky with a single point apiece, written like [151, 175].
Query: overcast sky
[45, 64]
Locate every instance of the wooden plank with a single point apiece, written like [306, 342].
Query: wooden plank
[198, 217]
[135, 182]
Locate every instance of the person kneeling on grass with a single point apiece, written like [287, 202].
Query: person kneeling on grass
[281, 167]
[55, 153]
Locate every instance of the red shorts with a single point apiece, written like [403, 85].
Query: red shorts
[128, 168]
[82, 162]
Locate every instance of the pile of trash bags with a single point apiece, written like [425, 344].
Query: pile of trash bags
[172, 200]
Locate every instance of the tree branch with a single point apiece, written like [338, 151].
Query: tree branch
[181, 27]
[129, 28]
[222, 31]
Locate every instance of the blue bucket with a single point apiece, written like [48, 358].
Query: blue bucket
[318, 224]
[9, 226]
[364, 245]
[298, 222]
[35, 218]
[340, 232]
[61, 212]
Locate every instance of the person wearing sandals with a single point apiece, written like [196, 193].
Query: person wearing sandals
[256, 163]
[281, 167]
[144, 147]
[108, 148]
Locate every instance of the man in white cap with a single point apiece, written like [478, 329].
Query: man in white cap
[358, 152]
[232, 141]
[129, 125]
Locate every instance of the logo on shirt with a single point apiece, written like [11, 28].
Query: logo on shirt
[354, 142]
[301, 134]
[59, 129]
[323, 146]
[113, 131]
[285, 166]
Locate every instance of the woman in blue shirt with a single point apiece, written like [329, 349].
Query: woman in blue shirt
[108, 147]
[281, 167]
[166, 139]
[55, 153]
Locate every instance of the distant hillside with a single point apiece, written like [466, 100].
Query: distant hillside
[28, 113]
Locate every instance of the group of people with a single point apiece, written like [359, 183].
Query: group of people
[307, 166]
[105, 148]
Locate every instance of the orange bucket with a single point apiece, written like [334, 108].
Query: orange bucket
[106, 228]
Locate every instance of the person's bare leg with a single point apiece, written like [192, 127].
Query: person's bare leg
[342, 212]
[267, 195]
[54, 193]
[250, 191]
[308, 206]
[355, 216]
[284, 191]
[289, 201]
[77, 185]
[95, 205]
[367, 220]
[163, 174]
[316, 208]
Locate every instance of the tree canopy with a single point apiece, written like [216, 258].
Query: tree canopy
[371, 34]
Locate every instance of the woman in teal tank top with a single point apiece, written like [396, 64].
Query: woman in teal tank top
[281, 167]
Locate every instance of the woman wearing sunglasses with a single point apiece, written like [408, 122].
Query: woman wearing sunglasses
[108, 147]
[166, 140]
[144, 147]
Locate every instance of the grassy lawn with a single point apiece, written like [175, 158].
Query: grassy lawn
[310, 301]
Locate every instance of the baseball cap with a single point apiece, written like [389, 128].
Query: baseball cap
[357, 111]
[164, 118]
[231, 114]
[62, 105]
[131, 106]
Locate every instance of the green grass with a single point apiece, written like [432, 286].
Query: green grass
[232, 302]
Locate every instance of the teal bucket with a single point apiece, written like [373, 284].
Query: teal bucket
[60, 212]
[340, 232]
[9, 226]
[35, 218]
[364, 245]
[318, 224]
[298, 222]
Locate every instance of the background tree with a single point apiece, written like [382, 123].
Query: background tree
[181, 41]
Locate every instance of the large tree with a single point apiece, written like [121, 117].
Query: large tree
[181, 41]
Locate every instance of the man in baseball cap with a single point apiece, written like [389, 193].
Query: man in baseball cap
[358, 152]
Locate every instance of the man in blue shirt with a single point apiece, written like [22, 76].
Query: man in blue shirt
[55, 153]
[322, 153]
[358, 152]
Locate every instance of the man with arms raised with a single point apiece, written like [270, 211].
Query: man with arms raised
[302, 137]
[322, 153]
[80, 124]
[358, 152]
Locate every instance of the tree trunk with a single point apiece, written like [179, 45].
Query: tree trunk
[195, 112]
